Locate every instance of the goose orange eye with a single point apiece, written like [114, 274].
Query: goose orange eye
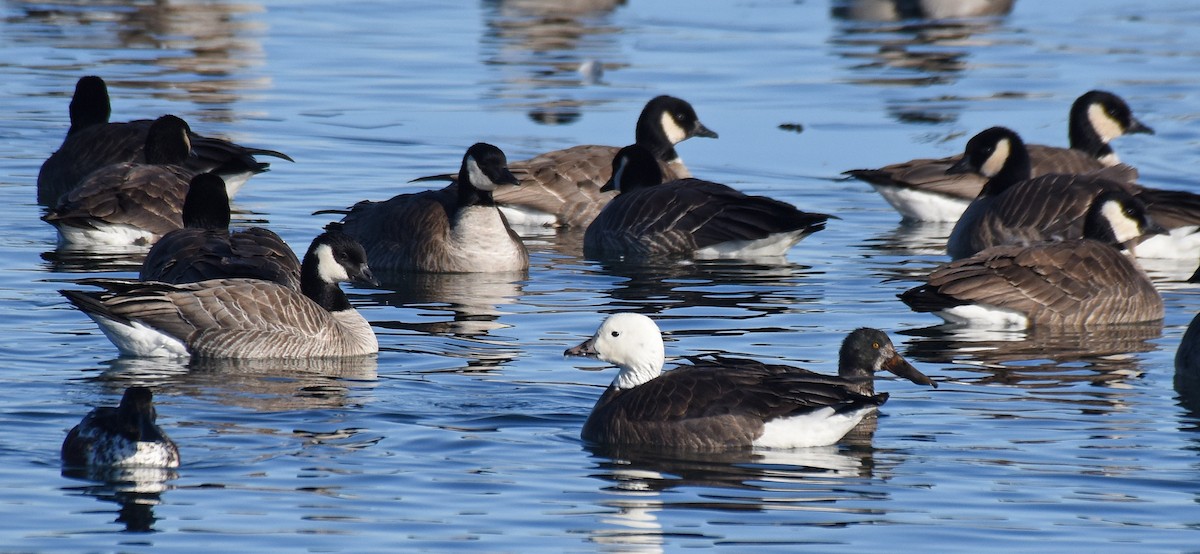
[875, 345]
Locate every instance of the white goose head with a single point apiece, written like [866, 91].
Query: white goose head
[632, 342]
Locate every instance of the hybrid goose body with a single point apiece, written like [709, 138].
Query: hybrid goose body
[92, 142]
[563, 187]
[719, 402]
[921, 189]
[457, 229]
[240, 318]
[124, 436]
[1079, 282]
[689, 217]
[1013, 208]
[205, 248]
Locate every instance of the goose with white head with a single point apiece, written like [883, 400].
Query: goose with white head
[719, 402]
[240, 318]
[457, 229]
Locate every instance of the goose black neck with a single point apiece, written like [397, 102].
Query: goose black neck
[1016, 168]
[1082, 134]
[468, 195]
[206, 205]
[167, 142]
[90, 104]
[650, 135]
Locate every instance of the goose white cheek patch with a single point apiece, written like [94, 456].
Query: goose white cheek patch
[674, 132]
[478, 179]
[1105, 126]
[996, 161]
[328, 268]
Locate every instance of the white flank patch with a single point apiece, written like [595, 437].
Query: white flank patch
[140, 339]
[104, 234]
[984, 316]
[917, 205]
[768, 247]
[328, 268]
[995, 162]
[521, 216]
[674, 132]
[1110, 159]
[478, 179]
[1105, 126]
[817, 428]
[479, 242]
[1182, 244]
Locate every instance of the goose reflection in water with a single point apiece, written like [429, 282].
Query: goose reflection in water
[743, 290]
[548, 49]
[1040, 357]
[214, 40]
[816, 483]
[262, 385]
[1187, 368]
[454, 315]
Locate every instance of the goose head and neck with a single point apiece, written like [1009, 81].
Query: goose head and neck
[1098, 117]
[90, 104]
[665, 122]
[633, 167]
[867, 351]
[136, 416]
[484, 168]
[999, 155]
[1118, 219]
[167, 141]
[332, 258]
[632, 342]
[206, 205]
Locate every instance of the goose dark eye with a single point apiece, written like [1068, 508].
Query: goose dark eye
[616, 333]
[1130, 212]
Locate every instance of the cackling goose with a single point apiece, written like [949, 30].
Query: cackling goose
[129, 203]
[720, 402]
[457, 229]
[240, 318]
[650, 219]
[205, 249]
[1079, 282]
[125, 436]
[562, 187]
[921, 189]
[1014, 209]
[92, 143]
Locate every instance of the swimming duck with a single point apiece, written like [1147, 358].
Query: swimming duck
[125, 436]
[92, 142]
[718, 402]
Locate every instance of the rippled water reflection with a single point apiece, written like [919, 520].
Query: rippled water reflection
[463, 432]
